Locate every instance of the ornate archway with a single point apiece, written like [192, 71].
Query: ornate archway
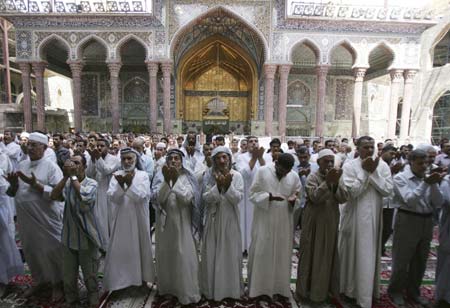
[217, 87]
[218, 59]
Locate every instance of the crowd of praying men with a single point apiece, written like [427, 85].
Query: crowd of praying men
[74, 199]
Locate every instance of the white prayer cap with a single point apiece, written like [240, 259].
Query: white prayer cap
[161, 145]
[24, 135]
[325, 152]
[38, 137]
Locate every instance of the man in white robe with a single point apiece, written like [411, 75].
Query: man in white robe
[367, 181]
[103, 166]
[129, 261]
[11, 148]
[248, 164]
[221, 266]
[177, 224]
[39, 218]
[274, 192]
[10, 260]
[193, 155]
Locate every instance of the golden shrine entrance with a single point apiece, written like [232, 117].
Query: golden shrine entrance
[217, 87]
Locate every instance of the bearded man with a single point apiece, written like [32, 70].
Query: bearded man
[177, 230]
[129, 261]
[221, 266]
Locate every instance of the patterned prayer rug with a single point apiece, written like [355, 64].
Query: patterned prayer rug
[146, 297]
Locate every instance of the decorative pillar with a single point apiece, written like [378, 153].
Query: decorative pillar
[76, 67]
[407, 100]
[152, 68]
[166, 68]
[39, 68]
[321, 71]
[282, 100]
[26, 85]
[396, 77]
[5, 46]
[357, 100]
[269, 75]
[114, 70]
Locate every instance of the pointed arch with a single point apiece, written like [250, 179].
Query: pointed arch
[440, 36]
[48, 39]
[178, 36]
[87, 39]
[385, 45]
[345, 43]
[310, 44]
[128, 38]
[134, 79]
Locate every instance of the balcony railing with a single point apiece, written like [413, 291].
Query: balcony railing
[301, 9]
[76, 6]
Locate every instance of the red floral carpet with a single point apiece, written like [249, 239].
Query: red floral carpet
[146, 297]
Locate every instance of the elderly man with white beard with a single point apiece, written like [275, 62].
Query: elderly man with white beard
[221, 266]
[177, 201]
[129, 261]
[39, 218]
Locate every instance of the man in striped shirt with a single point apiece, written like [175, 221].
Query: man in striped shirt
[80, 236]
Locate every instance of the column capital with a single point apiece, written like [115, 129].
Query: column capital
[409, 75]
[25, 67]
[284, 70]
[114, 68]
[76, 66]
[39, 67]
[359, 73]
[396, 75]
[152, 67]
[166, 68]
[269, 70]
[322, 70]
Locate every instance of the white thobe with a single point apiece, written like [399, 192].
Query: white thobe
[13, 151]
[221, 266]
[10, 260]
[246, 206]
[176, 253]
[50, 155]
[5, 168]
[193, 162]
[272, 237]
[104, 168]
[129, 260]
[40, 221]
[360, 230]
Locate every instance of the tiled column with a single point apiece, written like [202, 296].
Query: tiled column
[152, 68]
[76, 67]
[166, 68]
[357, 100]
[39, 68]
[269, 75]
[407, 99]
[396, 78]
[282, 99]
[114, 70]
[321, 71]
[26, 85]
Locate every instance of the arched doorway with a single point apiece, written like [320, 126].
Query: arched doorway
[441, 118]
[217, 87]
[218, 60]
